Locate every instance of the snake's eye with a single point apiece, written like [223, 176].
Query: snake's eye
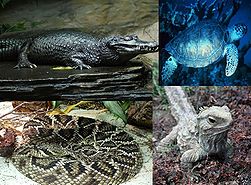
[135, 37]
[128, 38]
[211, 119]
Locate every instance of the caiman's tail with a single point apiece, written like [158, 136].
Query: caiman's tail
[8, 48]
[12, 42]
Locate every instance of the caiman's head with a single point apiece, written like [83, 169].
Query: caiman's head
[130, 46]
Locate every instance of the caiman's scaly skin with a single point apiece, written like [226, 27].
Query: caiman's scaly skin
[205, 137]
[71, 48]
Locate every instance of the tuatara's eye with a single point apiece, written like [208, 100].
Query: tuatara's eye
[211, 120]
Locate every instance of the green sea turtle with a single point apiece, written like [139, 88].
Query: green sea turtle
[202, 44]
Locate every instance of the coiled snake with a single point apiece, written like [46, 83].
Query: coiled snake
[92, 153]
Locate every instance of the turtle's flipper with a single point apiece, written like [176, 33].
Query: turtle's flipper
[168, 69]
[231, 52]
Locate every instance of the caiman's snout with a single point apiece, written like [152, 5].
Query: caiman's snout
[148, 46]
[132, 44]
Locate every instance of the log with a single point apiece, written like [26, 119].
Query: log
[181, 109]
[102, 83]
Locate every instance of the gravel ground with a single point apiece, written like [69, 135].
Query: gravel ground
[237, 170]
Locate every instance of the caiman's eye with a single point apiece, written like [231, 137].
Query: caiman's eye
[211, 120]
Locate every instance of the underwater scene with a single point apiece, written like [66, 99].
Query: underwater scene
[205, 42]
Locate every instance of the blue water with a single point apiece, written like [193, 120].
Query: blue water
[242, 16]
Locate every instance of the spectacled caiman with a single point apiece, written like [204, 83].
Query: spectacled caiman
[70, 47]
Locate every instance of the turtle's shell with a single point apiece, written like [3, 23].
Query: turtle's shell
[199, 45]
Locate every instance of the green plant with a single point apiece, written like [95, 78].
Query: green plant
[118, 108]
[4, 2]
[158, 91]
[20, 26]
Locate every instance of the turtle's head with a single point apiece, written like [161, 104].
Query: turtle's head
[236, 32]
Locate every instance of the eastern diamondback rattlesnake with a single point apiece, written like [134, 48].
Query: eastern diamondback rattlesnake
[92, 153]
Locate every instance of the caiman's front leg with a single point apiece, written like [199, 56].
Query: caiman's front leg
[23, 61]
[77, 62]
[191, 156]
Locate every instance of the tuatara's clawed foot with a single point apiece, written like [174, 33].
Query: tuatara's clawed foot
[186, 166]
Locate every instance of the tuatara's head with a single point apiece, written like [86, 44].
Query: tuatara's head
[130, 46]
[214, 120]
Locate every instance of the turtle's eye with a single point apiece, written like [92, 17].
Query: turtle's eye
[211, 119]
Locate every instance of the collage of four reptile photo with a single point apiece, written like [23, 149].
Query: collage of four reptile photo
[110, 92]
